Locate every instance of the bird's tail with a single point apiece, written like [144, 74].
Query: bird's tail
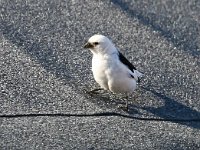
[138, 75]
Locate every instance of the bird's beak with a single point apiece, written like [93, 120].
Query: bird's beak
[88, 45]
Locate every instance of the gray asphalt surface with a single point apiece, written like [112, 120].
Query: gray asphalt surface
[44, 69]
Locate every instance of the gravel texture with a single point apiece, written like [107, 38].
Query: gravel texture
[45, 70]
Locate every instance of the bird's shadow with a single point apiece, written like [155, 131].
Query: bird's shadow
[107, 100]
[170, 110]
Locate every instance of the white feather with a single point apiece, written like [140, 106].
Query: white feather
[108, 70]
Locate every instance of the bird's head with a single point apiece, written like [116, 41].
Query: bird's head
[100, 44]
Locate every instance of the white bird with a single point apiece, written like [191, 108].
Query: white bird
[111, 70]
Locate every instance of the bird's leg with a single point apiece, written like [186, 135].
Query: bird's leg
[125, 108]
[94, 91]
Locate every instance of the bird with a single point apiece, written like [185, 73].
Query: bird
[110, 68]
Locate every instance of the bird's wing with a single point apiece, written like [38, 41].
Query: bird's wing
[135, 74]
[126, 62]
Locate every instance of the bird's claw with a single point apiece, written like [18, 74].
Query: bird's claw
[94, 91]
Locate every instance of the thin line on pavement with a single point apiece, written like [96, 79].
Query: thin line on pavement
[101, 114]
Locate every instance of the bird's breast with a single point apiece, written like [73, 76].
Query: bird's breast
[99, 69]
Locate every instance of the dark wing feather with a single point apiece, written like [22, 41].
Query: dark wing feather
[126, 62]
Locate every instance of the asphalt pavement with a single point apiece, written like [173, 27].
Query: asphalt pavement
[45, 73]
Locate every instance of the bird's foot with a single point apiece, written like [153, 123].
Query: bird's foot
[94, 91]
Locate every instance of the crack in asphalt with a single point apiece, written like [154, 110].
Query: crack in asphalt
[100, 114]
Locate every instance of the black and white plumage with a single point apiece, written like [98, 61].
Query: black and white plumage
[111, 70]
[130, 66]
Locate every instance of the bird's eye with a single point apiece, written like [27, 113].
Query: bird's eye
[96, 43]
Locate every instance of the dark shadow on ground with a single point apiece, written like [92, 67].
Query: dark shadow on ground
[172, 109]
[184, 35]
[38, 50]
